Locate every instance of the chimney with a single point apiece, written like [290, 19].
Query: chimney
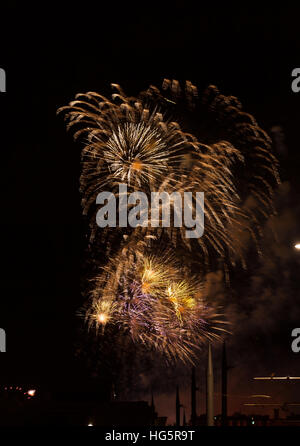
[209, 389]
[224, 386]
[177, 407]
[153, 414]
[113, 395]
[193, 398]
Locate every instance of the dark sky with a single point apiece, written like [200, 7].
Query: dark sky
[49, 56]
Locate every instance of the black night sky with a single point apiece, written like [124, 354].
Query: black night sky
[49, 56]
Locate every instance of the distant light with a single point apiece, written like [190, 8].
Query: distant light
[90, 424]
[31, 392]
[297, 246]
[261, 404]
[277, 377]
[253, 422]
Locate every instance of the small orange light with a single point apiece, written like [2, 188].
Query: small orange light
[136, 164]
[172, 299]
[145, 287]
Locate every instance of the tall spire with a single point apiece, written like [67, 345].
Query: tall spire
[193, 398]
[113, 395]
[209, 389]
[177, 407]
[224, 386]
[153, 414]
[152, 402]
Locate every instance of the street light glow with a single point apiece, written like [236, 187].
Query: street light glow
[297, 246]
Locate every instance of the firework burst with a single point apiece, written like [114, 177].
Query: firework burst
[148, 297]
[134, 141]
[170, 140]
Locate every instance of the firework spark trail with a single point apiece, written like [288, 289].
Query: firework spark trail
[136, 141]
